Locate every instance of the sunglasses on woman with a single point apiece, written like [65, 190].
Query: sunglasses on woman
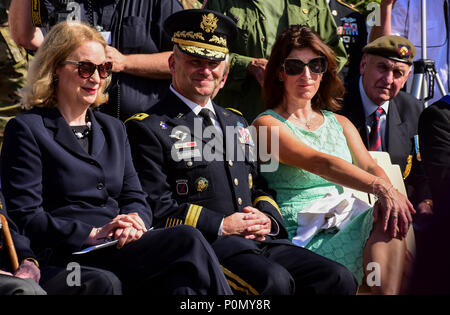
[296, 66]
[86, 68]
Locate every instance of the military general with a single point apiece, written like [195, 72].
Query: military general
[197, 163]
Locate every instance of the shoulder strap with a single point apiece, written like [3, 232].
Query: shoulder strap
[235, 111]
[138, 116]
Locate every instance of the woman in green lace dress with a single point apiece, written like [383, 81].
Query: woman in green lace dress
[316, 149]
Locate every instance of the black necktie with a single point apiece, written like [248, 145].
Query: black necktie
[206, 115]
[207, 122]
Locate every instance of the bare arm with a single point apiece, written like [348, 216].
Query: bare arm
[293, 152]
[154, 66]
[392, 206]
[23, 32]
[385, 20]
[360, 155]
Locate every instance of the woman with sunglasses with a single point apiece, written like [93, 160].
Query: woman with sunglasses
[316, 149]
[69, 181]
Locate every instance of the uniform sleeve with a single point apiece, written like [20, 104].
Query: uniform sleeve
[21, 178]
[264, 199]
[149, 160]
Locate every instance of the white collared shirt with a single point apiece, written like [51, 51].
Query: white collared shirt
[369, 108]
[197, 108]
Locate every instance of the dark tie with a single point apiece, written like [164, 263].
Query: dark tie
[206, 115]
[375, 134]
[207, 122]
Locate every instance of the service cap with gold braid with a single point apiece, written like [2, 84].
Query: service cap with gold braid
[201, 33]
[393, 47]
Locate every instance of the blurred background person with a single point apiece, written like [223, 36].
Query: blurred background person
[13, 69]
[352, 30]
[138, 47]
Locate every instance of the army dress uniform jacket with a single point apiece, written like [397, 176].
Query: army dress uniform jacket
[401, 128]
[184, 186]
[194, 190]
[55, 191]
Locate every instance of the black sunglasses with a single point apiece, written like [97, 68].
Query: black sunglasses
[86, 68]
[296, 66]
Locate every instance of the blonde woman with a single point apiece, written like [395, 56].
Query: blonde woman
[69, 182]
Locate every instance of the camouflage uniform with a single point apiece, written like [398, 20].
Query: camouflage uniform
[13, 68]
[191, 4]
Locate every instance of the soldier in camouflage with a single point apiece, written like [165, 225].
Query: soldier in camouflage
[13, 68]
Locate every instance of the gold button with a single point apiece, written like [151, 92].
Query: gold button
[189, 163]
[236, 182]
[239, 201]
[230, 162]
[305, 11]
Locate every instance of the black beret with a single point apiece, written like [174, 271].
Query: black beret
[393, 47]
[201, 33]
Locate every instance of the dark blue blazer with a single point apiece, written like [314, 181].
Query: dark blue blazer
[55, 191]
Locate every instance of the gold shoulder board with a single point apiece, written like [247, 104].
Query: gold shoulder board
[138, 116]
[235, 111]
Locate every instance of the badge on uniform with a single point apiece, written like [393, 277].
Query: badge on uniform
[179, 135]
[163, 125]
[182, 187]
[184, 145]
[188, 154]
[201, 184]
[244, 136]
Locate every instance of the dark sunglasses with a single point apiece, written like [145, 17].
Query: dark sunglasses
[86, 68]
[296, 66]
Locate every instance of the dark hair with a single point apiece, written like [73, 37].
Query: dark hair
[331, 88]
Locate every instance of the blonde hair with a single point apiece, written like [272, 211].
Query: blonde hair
[60, 42]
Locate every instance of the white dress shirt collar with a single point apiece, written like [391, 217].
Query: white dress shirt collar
[192, 105]
[369, 106]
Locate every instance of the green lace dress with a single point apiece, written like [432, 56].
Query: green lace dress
[297, 188]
